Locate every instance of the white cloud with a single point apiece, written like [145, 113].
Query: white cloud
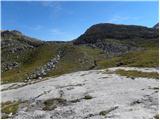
[119, 19]
[57, 8]
[34, 28]
[57, 31]
[38, 27]
[53, 4]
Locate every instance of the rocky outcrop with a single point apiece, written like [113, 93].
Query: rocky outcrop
[8, 66]
[116, 39]
[42, 71]
[86, 94]
[13, 45]
[156, 26]
[106, 30]
[18, 36]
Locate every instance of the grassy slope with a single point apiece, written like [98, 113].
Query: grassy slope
[147, 57]
[33, 59]
[144, 58]
[9, 107]
[77, 58]
[134, 73]
[80, 58]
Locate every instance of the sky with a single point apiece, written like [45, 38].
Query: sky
[63, 21]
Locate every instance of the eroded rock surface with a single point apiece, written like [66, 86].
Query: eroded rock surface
[87, 94]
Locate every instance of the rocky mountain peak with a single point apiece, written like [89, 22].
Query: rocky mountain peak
[114, 31]
[15, 32]
[156, 26]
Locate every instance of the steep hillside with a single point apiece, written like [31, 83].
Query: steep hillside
[118, 39]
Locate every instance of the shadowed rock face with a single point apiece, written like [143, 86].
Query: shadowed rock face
[156, 26]
[105, 30]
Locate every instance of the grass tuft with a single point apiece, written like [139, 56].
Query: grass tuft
[8, 108]
[156, 116]
[143, 58]
[51, 104]
[134, 73]
[87, 97]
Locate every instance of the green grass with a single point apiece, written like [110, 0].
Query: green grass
[51, 104]
[134, 74]
[103, 113]
[88, 97]
[9, 107]
[33, 60]
[143, 58]
[77, 58]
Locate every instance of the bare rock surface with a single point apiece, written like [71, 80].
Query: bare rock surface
[87, 94]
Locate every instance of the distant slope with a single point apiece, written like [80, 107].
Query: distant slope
[118, 39]
[114, 31]
[101, 46]
[26, 59]
[156, 26]
[16, 48]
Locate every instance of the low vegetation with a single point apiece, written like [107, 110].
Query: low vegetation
[105, 112]
[78, 58]
[134, 73]
[156, 116]
[87, 97]
[30, 54]
[51, 104]
[143, 58]
[33, 59]
[9, 108]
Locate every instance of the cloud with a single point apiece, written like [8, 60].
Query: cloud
[34, 28]
[52, 4]
[57, 8]
[119, 19]
[38, 27]
[56, 31]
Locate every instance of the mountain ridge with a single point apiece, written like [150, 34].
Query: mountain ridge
[23, 56]
[106, 30]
